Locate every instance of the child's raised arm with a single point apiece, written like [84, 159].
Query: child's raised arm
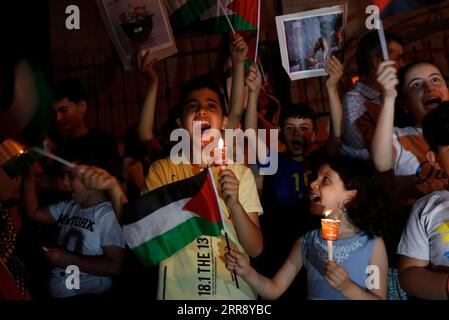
[253, 81]
[335, 70]
[239, 50]
[267, 288]
[382, 150]
[146, 121]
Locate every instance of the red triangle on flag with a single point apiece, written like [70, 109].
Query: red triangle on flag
[204, 203]
[382, 4]
[247, 9]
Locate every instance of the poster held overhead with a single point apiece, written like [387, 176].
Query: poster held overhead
[306, 38]
[140, 24]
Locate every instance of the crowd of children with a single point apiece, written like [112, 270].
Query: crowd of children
[272, 222]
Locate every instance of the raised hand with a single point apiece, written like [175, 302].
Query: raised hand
[229, 185]
[239, 49]
[387, 79]
[334, 68]
[254, 79]
[146, 66]
[96, 178]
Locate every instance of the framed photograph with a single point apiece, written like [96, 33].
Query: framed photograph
[134, 24]
[305, 38]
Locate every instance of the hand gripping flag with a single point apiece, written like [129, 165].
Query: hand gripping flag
[165, 220]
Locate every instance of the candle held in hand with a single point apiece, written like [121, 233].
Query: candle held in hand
[221, 155]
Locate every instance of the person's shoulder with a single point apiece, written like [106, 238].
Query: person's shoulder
[69, 203]
[352, 96]
[165, 165]
[240, 170]
[104, 210]
[164, 162]
[407, 131]
[433, 202]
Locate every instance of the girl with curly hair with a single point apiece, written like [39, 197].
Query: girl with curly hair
[359, 270]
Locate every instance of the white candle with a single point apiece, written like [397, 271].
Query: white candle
[54, 157]
[330, 249]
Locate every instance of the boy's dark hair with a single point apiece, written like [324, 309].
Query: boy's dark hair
[369, 47]
[204, 82]
[370, 210]
[298, 111]
[71, 89]
[435, 127]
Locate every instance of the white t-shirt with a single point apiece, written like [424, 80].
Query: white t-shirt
[416, 176]
[426, 236]
[85, 232]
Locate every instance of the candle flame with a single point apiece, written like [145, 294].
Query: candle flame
[220, 143]
[327, 212]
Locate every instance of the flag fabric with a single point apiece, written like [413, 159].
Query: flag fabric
[208, 15]
[165, 220]
[392, 7]
[184, 12]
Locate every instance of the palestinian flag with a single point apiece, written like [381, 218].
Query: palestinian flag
[392, 7]
[185, 12]
[208, 15]
[165, 220]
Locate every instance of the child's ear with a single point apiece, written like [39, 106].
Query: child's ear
[313, 137]
[82, 106]
[432, 159]
[350, 195]
[224, 122]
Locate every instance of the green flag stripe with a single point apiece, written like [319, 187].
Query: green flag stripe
[163, 246]
[189, 12]
[220, 24]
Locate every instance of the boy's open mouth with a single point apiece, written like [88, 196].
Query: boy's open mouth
[297, 143]
[205, 125]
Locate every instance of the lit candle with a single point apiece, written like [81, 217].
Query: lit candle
[329, 232]
[221, 155]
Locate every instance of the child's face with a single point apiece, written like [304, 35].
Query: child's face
[424, 89]
[77, 190]
[298, 133]
[203, 105]
[328, 192]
